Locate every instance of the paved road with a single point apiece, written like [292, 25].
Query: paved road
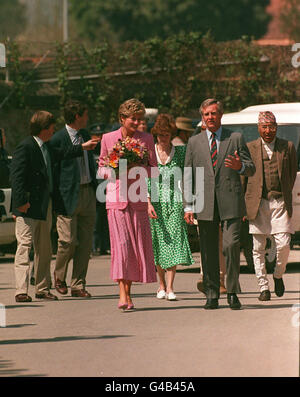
[77, 337]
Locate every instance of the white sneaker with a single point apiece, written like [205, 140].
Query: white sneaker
[171, 296]
[161, 294]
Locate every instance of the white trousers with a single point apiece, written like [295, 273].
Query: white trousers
[282, 241]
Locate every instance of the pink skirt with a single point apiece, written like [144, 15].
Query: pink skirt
[131, 245]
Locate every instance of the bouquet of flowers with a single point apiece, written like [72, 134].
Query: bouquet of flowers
[130, 149]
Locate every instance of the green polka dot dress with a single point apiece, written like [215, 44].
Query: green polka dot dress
[169, 230]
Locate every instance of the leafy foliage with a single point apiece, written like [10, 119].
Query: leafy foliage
[174, 75]
[12, 19]
[122, 20]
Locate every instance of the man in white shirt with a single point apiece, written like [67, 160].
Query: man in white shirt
[74, 202]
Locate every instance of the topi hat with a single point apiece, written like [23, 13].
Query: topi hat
[184, 123]
[266, 117]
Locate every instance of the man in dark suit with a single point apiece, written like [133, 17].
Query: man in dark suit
[224, 156]
[4, 162]
[32, 190]
[75, 202]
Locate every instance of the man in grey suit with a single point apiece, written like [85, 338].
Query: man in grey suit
[224, 156]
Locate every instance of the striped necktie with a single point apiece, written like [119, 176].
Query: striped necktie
[81, 160]
[213, 150]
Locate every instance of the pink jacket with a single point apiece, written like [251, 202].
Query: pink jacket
[116, 196]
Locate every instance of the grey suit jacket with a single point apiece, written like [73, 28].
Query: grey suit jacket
[224, 184]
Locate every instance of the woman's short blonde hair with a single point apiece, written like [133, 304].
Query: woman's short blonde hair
[130, 107]
[164, 123]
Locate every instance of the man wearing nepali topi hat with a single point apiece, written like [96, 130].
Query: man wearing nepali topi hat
[268, 197]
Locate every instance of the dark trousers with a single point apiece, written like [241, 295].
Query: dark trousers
[101, 232]
[209, 246]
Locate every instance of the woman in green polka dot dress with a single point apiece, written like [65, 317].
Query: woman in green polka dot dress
[165, 208]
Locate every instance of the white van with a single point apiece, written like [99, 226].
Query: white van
[288, 120]
[7, 224]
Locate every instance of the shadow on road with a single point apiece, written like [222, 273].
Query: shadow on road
[18, 325]
[19, 306]
[189, 270]
[59, 339]
[6, 369]
[293, 267]
[5, 259]
[201, 306]
[268, 306]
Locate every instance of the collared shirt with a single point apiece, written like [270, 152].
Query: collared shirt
[218, 137]
[218, 140]
[85, 176]
[269, 147]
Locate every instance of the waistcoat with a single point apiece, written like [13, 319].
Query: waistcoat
[271, 182]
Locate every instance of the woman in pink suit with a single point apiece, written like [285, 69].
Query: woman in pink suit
[130, 235]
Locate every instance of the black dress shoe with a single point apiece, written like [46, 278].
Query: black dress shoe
[233, 302]
[80, 293]
[47, 296]
[23, 298]
[265, 295]
[279, 286]
[211, 303]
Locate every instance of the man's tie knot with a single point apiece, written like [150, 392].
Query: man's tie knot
[78, 137]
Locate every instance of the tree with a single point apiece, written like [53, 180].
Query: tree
[44, 21]
[290, 17]
[12, 19]
[121, 20]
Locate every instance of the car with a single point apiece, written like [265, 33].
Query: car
[7, 223]
[288, 120]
